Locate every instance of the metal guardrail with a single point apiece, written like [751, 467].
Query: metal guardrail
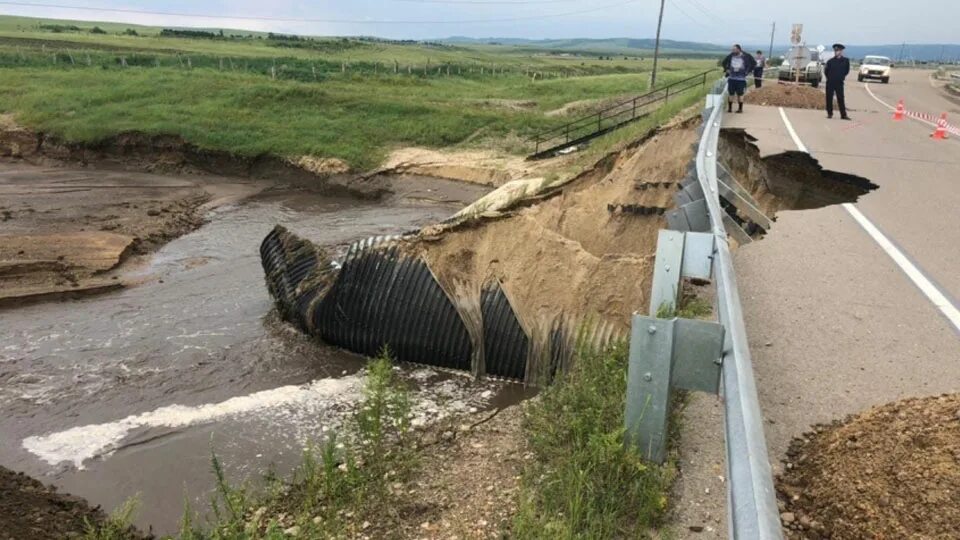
[668, 354]
[752, 504]
[606, 120]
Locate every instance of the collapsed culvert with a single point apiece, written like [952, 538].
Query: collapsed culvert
[507, 288]
[890, 472]
[754, 188]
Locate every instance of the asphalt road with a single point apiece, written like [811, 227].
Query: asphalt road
[846, 308]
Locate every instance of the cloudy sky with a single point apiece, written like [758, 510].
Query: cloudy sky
[717, 21]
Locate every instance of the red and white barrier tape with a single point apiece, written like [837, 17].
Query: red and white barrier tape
[934, 119]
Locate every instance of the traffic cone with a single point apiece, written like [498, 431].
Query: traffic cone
[898, 114]
[941, 131]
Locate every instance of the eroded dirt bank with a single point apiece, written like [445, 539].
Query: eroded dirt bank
[31, 510]
[68, 231]
[508, 282]
[135, 151]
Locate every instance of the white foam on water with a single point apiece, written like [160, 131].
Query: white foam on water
[81, 443]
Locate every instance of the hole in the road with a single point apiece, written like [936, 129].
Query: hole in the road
[785, 181]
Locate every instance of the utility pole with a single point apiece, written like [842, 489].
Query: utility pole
[772, 32]
[656, 47]
[900, 60]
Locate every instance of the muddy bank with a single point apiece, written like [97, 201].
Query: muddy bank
[29, 509]
[171, 154]
[67, 232]
[486, 168]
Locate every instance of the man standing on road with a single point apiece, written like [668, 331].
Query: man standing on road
[758, 71]
[836, 71]
[737, 66]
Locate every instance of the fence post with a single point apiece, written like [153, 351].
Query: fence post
[599, 118]
[666, 98]
[634, 115]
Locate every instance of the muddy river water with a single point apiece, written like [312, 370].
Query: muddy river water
[127, 393]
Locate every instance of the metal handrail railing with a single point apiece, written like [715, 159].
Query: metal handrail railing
[591, 124]
[752, 504]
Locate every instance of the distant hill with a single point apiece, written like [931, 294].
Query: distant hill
[917, 53]
[628, 46]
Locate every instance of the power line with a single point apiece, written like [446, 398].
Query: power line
[705, 11]
[687, 15]
[311, 20]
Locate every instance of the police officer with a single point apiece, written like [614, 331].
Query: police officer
[836, 71]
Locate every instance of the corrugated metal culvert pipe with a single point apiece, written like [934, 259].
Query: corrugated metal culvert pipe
[380, 296]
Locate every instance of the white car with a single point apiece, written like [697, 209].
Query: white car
[875, 67]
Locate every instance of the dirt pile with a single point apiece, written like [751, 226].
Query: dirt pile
[787, 95]
[891, 472]
[28, 509]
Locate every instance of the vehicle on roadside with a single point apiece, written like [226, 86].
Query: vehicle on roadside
[803, 65]
[875, 67]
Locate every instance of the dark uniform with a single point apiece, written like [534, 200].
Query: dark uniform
[836, 71]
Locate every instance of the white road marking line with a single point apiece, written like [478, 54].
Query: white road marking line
[931, 291]
[793, 133]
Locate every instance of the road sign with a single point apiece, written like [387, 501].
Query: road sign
[796, 34]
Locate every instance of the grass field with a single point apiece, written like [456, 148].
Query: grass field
[348, 99]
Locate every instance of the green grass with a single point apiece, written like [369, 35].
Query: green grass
[328, 97]
[584, 483]
[354, 118]
[690, 306]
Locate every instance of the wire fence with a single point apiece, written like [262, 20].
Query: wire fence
[292, 67]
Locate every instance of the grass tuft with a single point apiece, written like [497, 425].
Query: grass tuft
[584, 482]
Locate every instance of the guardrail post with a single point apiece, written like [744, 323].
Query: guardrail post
[670, 353]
